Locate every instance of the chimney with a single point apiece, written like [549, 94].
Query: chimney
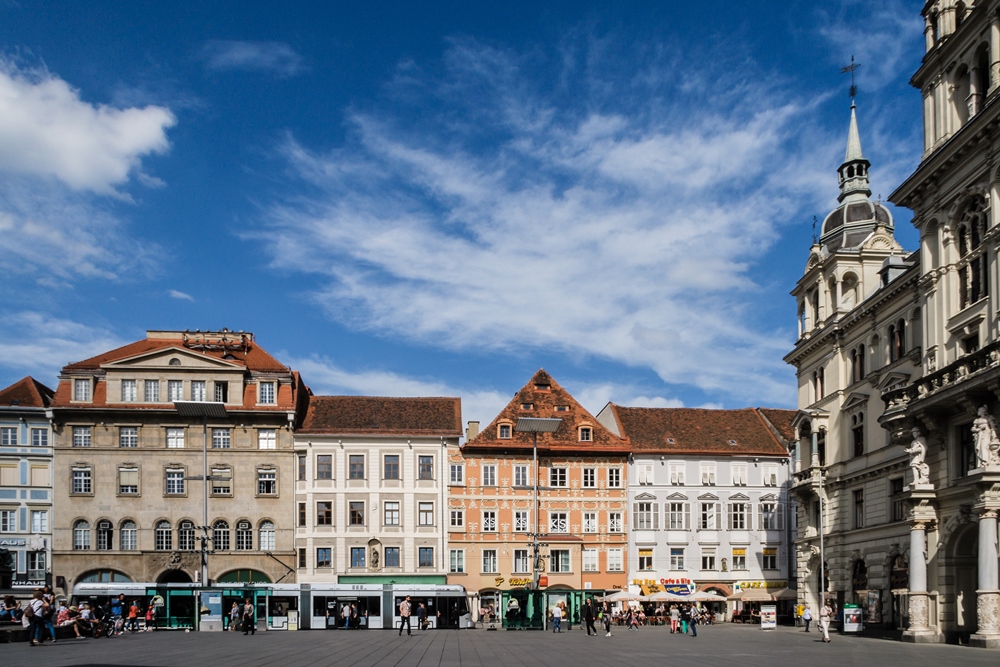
[472, 431]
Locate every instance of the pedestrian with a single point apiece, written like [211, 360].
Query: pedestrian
[588, 617]
[234, 616]
[675, 618]
[248, 623]
[556, 619]
[345, 613]
[133, 616]
[825, 614]
[807, 616]
[421, 616]
[404, 616]
[694, 621]
[685, 614]
[32, 619]
[607, 620]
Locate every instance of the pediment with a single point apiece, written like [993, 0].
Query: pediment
[708, 496]
[677, 496]
[769, 496]
[739, 496]
[893, 380]
[881, 242]
[161, 359]
[645, 496]
[855, 400]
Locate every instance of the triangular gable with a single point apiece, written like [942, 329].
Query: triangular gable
[645, 496]
[855, 400]
[708, 496]
[769, 496]
[739, 496]
[893, 380]
[677, 496]
[149, 359]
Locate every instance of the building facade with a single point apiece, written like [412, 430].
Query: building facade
[25, 485]
[131, 494]
[579, 518]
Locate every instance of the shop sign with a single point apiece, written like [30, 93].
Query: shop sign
[13, 542]
[742, 585]
[25, 583]
[513, 581]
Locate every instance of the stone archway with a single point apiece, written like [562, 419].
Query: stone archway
[174, 577]
[962, 565]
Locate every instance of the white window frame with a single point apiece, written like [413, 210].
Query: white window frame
[457, 518]
[739, 519]
[81, 390]
[130, 391]
[39, 521]
[708, 560]
[456, 561]
[267, 438]
[522, 521]
[175, 438]
[677, 470]
[521, 475]
[559, 561]
[151, 391]
[128, 489]
[490, 565]
[267, 478]
[559, 477]
[590, 560]
[616, 561]
[614, 478]
[174, 482]
[390, 513]
[739, 472]
[590, 478]
[222, 438]
[678, 515]
[81, 436]
[457, 474]
[558, 522]
[708, 472]
[644, 474]
[769, 474]
[128, 437]
[773, 518]
[710, 515]
[615, 522]
[522, 561]
[199, 391]
[82, 483]
[489, 521]
[677, 558]
[489, 474]
[645, 515]
[267, 393]
[590, 522]
[175, 390]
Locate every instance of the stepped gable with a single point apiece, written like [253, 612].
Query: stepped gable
[378, 415]
[26, 393]
[544, 395]
[681, 431]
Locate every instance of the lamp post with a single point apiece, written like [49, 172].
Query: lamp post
[534, 426]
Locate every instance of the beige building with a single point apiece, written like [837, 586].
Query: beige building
[129, 487]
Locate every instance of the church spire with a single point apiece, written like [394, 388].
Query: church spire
[854, 171]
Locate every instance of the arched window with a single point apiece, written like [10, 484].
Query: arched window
[128, 540]
[185, 536]
[972, 274]
[105, 535]
[244, 536]
[266, 540]
[220, 535]
[81, 535]
[164, 536]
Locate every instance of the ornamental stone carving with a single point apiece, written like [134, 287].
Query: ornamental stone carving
[918, 611]
[988, 613]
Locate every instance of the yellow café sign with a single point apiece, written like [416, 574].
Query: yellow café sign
[743, 585]
[513, 581]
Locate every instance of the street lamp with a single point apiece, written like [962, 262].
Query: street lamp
[204, 410]
[534, 426]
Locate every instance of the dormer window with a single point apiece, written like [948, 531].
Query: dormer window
[543, 387]
[586, 434]
[527, 406]
[267, 394]
[503, 431]
[81, 390]
[562, 408]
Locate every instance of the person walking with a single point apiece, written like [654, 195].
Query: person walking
[32, 619]
[557, 619]
[694, 621]
[825, 614]
[345, 613]
[421, 616]
[404, 616]
[807, 617]
[588, 617]
[675, 618]
[607, 620]
[234, 616]
[248, 622]
[685, 614]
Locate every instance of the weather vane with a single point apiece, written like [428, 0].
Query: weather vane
[850, 68]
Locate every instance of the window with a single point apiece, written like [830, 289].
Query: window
[772, 516]
[425, 514]
[221, 438]
[356, 466]
[358, 557]
[739, 474]
[302, 558]
[198, 390]
[81, 436]
[489, 561]
[738, 516]
[81, 536]
[615, 561]
[175, 438]
[8, 436]
[302, 515]
[972, 273]
[676, 559]
[82, 480]
[151, 392]
[324, 557]
[356, 513]
[896, 494]
[175, 390]
[562, 408]
[769, 473]
[174, 482]
[163, 536]
[559, 560]
[708, 517]
[614, 522]
[425, 467]
[324, 466]
[818, 384]
[267, 438]
[457, 473]
[614, 478]
[503, 431]
[521, 476]
[708, 559]
[244, 536]
[645, 560]
[8, 521]
[265, 536]
[644, 472]
[128, 536]
[590, 522]
[324, 513]
[221, 478]
[81, 390]
[425, 557]
[521, 521]
[589, 478]
[489, 521]
[522, 564]
[267, 482]
[456, 560]
[527, 406]
[390, 513]
[858, 433]
[39, 521]
[859, 508]
[391, 556]
[39, 437]
[128, 481]
[677, 474]
[586, 434]
[740, 559]
[457, 518]
[222, 393]
[708, 474]
[489, 475]
[267, 393]
[129, 393]
[302, 467]
[128, 437]
[769, 558]
[105, 535]
[590, 560]
[557, 477]
[390, 467]
[185, 536]
[677, 516]
[558, 522]
[645, 516]
[220, 535]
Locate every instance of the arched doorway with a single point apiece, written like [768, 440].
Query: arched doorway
[245, 576]
[963, 565]
[174, 577]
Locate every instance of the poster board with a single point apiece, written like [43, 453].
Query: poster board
[852, 619]
[768, 617]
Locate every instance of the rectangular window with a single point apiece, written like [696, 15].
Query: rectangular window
[708, 474]
[324, 513]
[504, 431]
[586, 434]
[129, 393]
[390, 467]
[521, 521]
[769, 558]
[222, 482]
[39, 437]
[489, 475]
[356, 466]
[82, 480]
[267, 482]
[357, 513]
[324, 557]
[645, 560]
[740, 559]
[267, 438]
[677, 474]
[128, 437]
[521, 561]
[521, 476]
[557, 477]
[645, 516]
[425, 557]
[302, 467]
[457, 519]
[425, 467]
[151, 393]
[898, 504]
[175, 390]
[589, 478]
[81, 436]
[738, 516]
[302, 558]
[456, 560]
[36, 564]
[559, 560]
[324, 466]
[390, 513]
[489, 521]
[644, 473]
[81, 390]
[677, 516]
[457, 474]
[739, 474]
[39, 521]
[8, 436]
[590, 560]
[708, 559]
[590, 522]
[8, 521]
[558, 522]
[859, 509]
[175, 483]
[425, 514]
[771, 516]
[676, 559]
[614, 478]
[222, 396]
[770, 474]
[128, 481]
[175, 438]
[391, 556]
[221, 438]
[198, 391]
[302, 515]
[615, 561]
[708, 519]
[615, 522]
[489, 561]
[267, 393]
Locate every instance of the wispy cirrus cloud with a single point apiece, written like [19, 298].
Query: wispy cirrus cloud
[276, 58]
[183, 296]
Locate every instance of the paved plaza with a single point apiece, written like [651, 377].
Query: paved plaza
[721, 645]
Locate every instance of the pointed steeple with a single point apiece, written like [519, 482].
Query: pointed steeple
[854, 171]
[853, 139]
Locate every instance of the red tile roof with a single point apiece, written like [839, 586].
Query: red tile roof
[377, 415]
[781, 420]
[697, 431]
[26, 393]
[544, 394]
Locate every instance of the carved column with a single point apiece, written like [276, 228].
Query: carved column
[922, 628]
[988, 593]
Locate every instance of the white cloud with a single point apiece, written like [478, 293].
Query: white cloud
[274, 57]
[180, 295]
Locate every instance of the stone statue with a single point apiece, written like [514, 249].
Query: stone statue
[984, 431]
[917, 451]
[374, 558]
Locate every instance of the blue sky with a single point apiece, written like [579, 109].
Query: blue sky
[440, 198]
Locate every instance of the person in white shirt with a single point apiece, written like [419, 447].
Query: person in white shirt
[557, 614]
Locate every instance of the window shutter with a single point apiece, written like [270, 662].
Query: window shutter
[711, 476]
[780, 517]
[656, 515]
[704, 477]
[718, 516]
[687, 516]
